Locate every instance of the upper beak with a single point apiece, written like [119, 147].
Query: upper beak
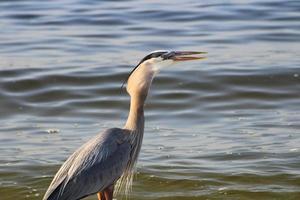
[186, 55]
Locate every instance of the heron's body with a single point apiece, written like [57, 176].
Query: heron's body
[98, 164]
[92, 158]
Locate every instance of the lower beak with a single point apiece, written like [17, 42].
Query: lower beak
[187, 55]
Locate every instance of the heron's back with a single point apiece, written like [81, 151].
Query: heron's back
[93, 167]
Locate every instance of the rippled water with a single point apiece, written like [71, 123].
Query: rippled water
[223, 128]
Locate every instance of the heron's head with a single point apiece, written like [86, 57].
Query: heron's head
[141, 76]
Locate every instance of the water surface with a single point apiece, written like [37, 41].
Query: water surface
[223, 128]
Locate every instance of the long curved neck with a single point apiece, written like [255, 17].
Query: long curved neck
[138, 85]
[135, 121]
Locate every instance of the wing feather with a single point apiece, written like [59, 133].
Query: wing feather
[94, 166]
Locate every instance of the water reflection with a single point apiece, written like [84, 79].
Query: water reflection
[225, 128]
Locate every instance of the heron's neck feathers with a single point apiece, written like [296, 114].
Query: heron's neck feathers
[135, 121]
[138, 85]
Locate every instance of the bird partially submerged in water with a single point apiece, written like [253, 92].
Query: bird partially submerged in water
[111, 156]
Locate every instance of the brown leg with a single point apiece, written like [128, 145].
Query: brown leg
[109, 192]
[106, 194]
[100, 196]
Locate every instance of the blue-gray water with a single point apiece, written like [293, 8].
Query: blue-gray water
[227, 127]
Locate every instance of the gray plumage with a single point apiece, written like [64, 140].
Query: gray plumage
[94, 166]
[111, 156]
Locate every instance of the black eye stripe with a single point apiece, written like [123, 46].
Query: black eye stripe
[152, 55]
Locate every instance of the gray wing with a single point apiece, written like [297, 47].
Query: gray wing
[94, 166]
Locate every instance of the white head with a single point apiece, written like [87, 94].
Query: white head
[141, 76]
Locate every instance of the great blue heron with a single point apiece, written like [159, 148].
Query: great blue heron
[98, 164]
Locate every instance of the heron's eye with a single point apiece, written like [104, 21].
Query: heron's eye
[167, 56]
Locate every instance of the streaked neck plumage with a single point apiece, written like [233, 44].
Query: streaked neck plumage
[135, 121]
[138, 86]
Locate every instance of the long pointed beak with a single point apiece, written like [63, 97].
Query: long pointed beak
[187, 55]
